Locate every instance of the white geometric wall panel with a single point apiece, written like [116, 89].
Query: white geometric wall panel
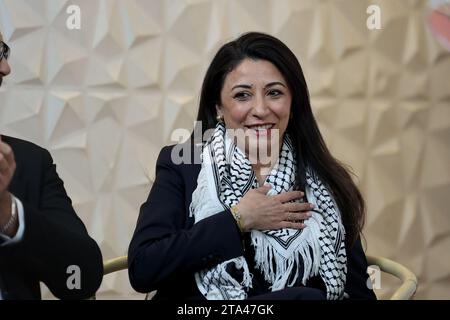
[104, 100]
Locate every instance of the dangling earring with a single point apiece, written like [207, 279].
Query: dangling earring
[219, 118]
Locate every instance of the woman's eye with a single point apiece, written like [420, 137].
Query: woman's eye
[242, 95]
[275, 93]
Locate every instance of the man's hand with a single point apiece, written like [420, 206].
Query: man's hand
[7, 169]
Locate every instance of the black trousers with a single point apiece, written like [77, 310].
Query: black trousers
[294, 293]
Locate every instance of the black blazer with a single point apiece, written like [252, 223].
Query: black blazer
[168, 248]
[54, 237]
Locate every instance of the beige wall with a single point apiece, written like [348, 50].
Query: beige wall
[104, 99]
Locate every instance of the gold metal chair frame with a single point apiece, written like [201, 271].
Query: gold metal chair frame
[405, 292]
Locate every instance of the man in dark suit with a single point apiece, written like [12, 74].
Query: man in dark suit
[41, 237]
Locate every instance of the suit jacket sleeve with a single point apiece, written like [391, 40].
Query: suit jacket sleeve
[357, 276]
[164, 248]
[54, 239]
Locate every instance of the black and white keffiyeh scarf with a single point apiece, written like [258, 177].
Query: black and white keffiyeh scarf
[225, 177]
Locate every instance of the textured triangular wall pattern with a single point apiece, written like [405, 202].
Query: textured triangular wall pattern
[104, 99]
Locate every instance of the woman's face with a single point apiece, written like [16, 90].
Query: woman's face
[255, 98]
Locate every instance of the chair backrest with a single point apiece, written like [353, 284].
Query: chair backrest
[113, 265]
[409, 280]
[404, 292]
[116, 264]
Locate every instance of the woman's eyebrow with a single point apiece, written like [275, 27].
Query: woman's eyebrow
[245, 86]
[275, 83]
[249, 86]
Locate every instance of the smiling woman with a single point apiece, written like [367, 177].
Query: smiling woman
[255, 97]
[232, 227]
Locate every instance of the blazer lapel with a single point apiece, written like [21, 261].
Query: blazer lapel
[18, 184]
